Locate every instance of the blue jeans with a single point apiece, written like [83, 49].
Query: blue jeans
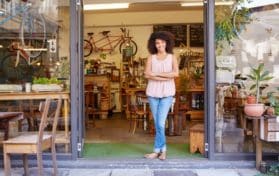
[160, 108]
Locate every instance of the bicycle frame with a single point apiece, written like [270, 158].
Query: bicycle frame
[108, 42]
[15, 47]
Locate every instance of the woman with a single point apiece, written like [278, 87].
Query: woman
[161, 69]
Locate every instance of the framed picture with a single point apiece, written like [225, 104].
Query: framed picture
[115, 75]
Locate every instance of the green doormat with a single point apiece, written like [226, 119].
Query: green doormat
[127, 150]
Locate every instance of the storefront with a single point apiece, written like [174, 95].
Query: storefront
[109, 71]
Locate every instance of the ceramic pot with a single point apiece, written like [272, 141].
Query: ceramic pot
[255, 110]
[251, 99]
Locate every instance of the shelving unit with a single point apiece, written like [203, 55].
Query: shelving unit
[196, 104]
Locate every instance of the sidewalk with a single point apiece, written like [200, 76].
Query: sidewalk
[140, 172]
[141, 167]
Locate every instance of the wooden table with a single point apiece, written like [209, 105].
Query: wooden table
[130, 93]
[6, 117]
[258, 142]
[64, 137]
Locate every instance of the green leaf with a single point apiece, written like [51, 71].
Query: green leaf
[251, 77]
[253, 87]
[260, 67]
[265, 74]
[266, 78]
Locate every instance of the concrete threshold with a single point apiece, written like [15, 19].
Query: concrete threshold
[156, 164]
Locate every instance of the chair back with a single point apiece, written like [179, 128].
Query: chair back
[50, 114]
[44, 109]
[56, 116]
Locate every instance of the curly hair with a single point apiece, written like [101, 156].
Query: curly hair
[162, 35]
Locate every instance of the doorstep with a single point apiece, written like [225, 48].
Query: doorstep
[124, 163]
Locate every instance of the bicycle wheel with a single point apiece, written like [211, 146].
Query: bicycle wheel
[33, 33]
[241, 17]
[15, 73]
[87, 48]
[128, 44]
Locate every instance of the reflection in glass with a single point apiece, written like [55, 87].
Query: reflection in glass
[34, 50]
[252, 39]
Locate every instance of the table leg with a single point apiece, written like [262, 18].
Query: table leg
[66, 117]
[258, 144]
[144, 120]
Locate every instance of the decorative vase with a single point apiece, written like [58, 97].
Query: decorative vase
[254, 110]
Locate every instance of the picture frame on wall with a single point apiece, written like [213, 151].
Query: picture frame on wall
[178, 30]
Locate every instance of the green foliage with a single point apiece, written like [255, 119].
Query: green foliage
[274, 102]
[183, 82]
[229, 20]
[197, 72]
[272, 171]
[258, 75]
[44, 80]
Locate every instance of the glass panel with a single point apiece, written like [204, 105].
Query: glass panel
[34, 57]
[246, 36]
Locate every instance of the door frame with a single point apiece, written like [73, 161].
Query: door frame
[76, 76]
[77, 120]
[209, 93]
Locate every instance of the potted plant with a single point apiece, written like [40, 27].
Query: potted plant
[258, 75]
[46, 84]
[274, 103]
[197, 74]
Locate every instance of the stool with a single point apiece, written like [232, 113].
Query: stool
[197, 138]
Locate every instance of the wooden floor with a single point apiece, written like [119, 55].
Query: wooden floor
[116, 129]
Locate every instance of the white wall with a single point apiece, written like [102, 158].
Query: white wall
[140, 25]
[258, 45]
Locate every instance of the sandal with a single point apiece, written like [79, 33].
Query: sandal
[163, 156]
[151, 155]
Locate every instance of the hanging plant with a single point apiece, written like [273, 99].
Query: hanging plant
[230, 20]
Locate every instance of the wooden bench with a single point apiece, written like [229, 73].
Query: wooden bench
[197, 138]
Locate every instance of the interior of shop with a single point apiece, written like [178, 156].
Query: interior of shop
[116, 107]
[233, 132]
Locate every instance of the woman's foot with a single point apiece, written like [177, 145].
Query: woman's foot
[163, 156]
[151, 155]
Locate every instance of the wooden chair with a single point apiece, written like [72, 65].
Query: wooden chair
[35, 142]
[89, 109]
[138, 112]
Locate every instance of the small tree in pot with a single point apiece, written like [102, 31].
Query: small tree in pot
[258, 75]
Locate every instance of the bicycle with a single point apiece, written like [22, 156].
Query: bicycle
[32, 28]
[32, 37]
[108, 43]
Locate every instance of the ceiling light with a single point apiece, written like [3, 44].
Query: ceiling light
[106, 6]
[199, 3]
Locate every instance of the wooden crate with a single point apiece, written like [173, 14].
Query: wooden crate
[269, 129]
[197, 138]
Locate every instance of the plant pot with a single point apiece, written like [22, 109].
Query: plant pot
[251, 99]
[254, 110]
[46, 87]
